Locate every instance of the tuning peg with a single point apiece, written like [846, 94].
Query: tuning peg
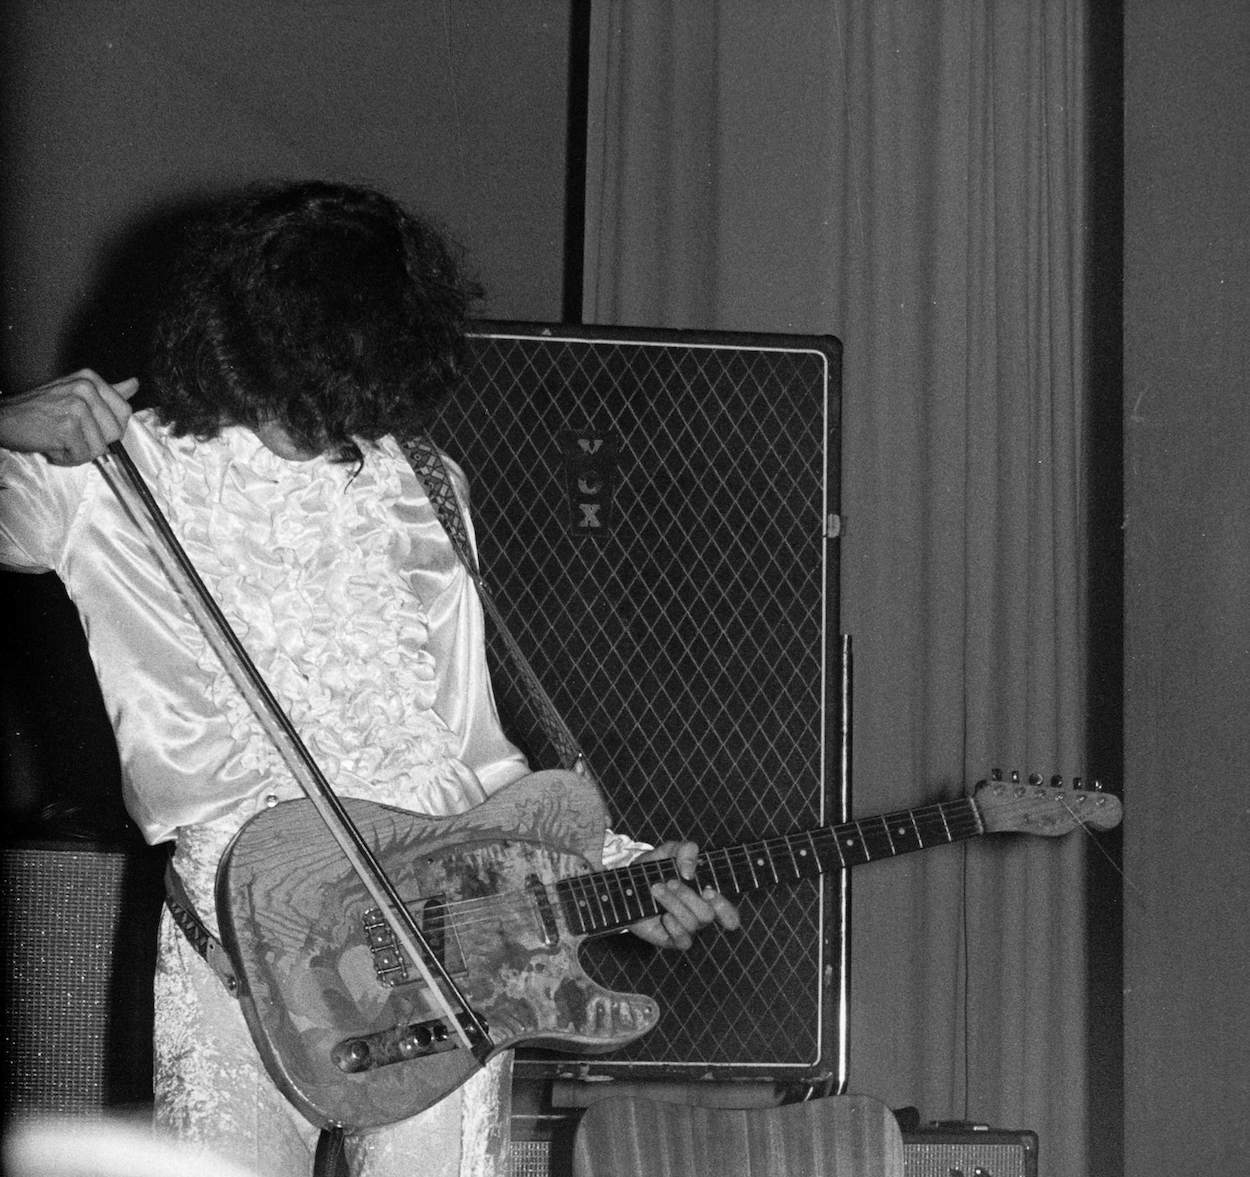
[1035, 778]
[1078, 782]
[1097, 785]
[1015, 777]
[996, 774]
[1057, 781]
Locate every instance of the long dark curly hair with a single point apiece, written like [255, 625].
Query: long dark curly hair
[324, 308]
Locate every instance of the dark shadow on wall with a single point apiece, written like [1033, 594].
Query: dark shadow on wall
[81, 891]
[112, 326]
[58, 759]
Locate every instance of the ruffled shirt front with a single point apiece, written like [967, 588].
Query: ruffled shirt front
[340, 583]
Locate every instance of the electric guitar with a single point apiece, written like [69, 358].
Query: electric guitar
[504, 894]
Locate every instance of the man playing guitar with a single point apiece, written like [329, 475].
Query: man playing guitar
[307, 327]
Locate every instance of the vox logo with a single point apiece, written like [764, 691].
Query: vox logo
[590, 480]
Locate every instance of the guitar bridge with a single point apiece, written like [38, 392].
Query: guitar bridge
[400, 1044]
[388, 961]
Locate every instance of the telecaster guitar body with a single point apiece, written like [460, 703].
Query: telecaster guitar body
[347, 1036]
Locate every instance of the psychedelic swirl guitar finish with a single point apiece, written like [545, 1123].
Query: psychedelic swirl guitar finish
[344, 1028]
[503, 895]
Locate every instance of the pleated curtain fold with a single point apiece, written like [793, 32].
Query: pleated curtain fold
[909, 176]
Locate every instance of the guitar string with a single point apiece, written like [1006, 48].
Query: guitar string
[622, 885]
[630, 885]
[747, 857]
[1115, 866]
[879, 835]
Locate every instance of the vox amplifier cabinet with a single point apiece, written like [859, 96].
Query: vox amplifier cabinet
[657, 515]
[78, 935]
[969, 1152]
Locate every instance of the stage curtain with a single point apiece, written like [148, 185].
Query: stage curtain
[908, 175]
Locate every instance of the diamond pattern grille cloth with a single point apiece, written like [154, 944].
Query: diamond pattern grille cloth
[686, 649]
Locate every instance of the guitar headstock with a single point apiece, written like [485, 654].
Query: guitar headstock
[1049, 809]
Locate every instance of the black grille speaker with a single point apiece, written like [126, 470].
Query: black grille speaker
[657, 516]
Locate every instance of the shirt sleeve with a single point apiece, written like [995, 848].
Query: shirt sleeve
[620, 850]
[38, 504]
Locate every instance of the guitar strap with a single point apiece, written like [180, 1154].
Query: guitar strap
[431, 470]
[196, 931]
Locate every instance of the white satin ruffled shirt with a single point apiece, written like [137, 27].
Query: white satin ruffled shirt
[341, 584]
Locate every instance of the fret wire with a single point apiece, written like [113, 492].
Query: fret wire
[796, 864]
[567, 889]
[588, 902]
[935, 825]
[755, 882]
[975, 811]
[586, 887]
[603, 898]
[811, 841]
[652, 873]
[858, 843]
[744, 875]
[610, 888]
[897, 835]
[635, 896]
[836, 842]
[772, 863]
[710, 861]
[607, 889]
[592, 893]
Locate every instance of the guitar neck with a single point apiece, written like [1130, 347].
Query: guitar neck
[608, 900]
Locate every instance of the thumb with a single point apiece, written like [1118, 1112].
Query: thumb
[126, 388]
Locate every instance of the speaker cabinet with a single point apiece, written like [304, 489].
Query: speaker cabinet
[79, 947]
[980, 1152]
[657, 514]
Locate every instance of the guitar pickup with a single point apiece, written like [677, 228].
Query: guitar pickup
[542, 905]
[400, 1044]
